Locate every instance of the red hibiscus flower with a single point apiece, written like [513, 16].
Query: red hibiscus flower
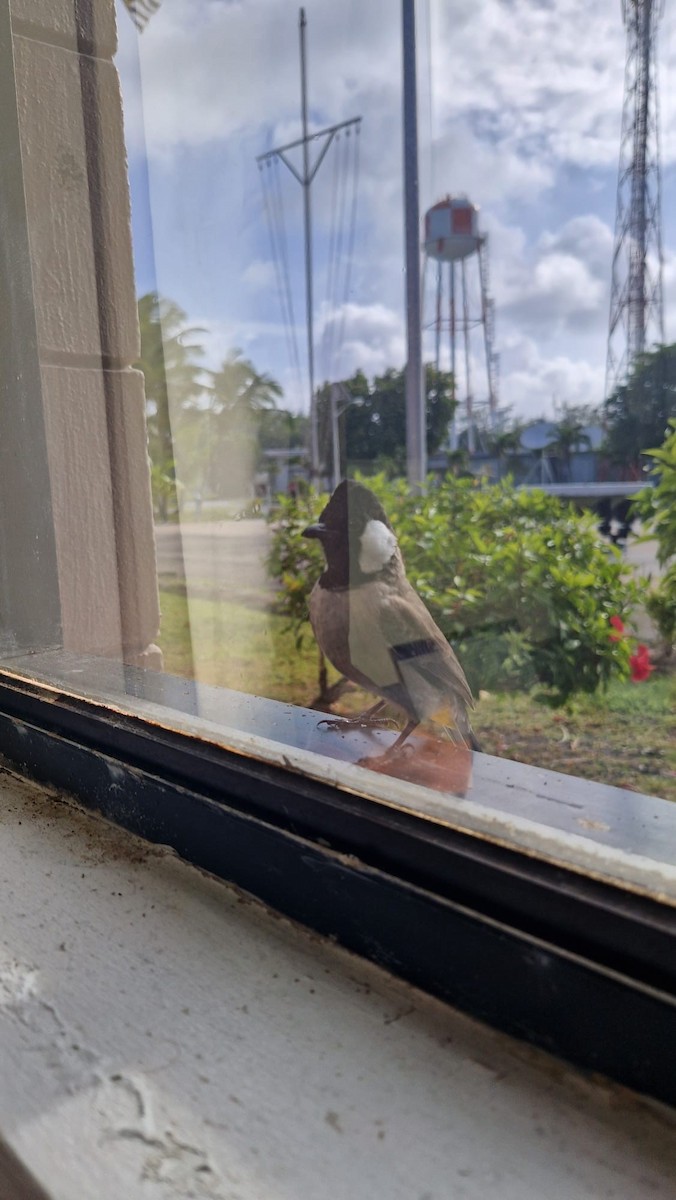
[639, 661]
[640, 664]
[617, 624]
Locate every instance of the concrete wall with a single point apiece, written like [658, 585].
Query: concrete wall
[77, 201]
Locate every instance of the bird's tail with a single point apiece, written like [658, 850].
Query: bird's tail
[474, 742]
[463, 724]
[457, 727]
[465, 737]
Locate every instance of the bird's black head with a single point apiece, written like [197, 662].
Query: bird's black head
[355, 534]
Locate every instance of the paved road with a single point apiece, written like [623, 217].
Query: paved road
[225, 558]
[643, 557]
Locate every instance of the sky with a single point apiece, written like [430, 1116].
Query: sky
[519, 109]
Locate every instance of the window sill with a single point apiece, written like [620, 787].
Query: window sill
[503, 931]
[162, 1028]
[602, 831]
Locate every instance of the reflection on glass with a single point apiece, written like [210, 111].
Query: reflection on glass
[264, 162]
[272, 216]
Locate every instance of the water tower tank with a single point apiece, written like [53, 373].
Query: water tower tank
[452, 229]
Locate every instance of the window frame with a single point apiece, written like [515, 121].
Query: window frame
[541, 951]
[566, 962]
[30, 613]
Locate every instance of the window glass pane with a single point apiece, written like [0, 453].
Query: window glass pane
[223, 312]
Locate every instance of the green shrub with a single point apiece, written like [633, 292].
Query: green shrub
[661, 605]
[296, 562]
[657, 509]
[522, 585]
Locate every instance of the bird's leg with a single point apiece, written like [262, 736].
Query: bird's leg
[391, 750]
[366, 720]
[405, 733]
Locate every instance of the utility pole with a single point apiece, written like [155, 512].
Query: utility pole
[335, 433]
[338, 392]
[306, 179]
[416, 441]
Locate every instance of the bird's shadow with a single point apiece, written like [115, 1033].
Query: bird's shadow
[423, 759]
[427, 761]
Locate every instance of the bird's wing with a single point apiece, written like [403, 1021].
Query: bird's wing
[419, 648]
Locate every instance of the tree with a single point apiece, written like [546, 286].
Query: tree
[203, 425]
[570, 433]
[504, 443]
[239, 388]
[280, 429]
[174, 382]
[238, 397]
[373, 428]
[638, 412]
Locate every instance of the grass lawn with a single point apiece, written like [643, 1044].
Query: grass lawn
[236, 646]
[223, 510]
[625, 737]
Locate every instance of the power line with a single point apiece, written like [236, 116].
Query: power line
[283, 291]
[306, 177]
[284, 256]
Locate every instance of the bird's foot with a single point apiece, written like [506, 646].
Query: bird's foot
[342, 724]
[391, 754]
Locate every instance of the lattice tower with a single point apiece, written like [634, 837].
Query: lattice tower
[636, 304]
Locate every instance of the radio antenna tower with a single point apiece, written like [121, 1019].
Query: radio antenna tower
[636, 307]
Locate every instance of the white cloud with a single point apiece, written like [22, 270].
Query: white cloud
[215, 68]
[560, 286]
[369, 336]
[533, 385]
[259, 275]
[585, 237]
[544, 78]
[558, 292]
[520, 106]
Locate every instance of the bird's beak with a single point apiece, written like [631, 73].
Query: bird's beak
[314, 531]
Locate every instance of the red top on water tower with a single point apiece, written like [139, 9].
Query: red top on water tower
[452, 229]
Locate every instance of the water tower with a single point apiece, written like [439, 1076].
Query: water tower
[463, 310]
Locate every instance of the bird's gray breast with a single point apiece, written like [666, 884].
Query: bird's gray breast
[347, 627]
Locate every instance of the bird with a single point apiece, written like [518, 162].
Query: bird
[372, 625]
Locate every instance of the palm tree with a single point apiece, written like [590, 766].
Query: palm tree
[570, 434]
[239, 388]
[174, 381]
[237, 397]
[504, 444]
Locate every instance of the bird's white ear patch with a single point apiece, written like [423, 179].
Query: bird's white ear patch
[377, 545]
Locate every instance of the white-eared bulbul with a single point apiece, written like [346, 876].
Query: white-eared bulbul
[373, 626]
